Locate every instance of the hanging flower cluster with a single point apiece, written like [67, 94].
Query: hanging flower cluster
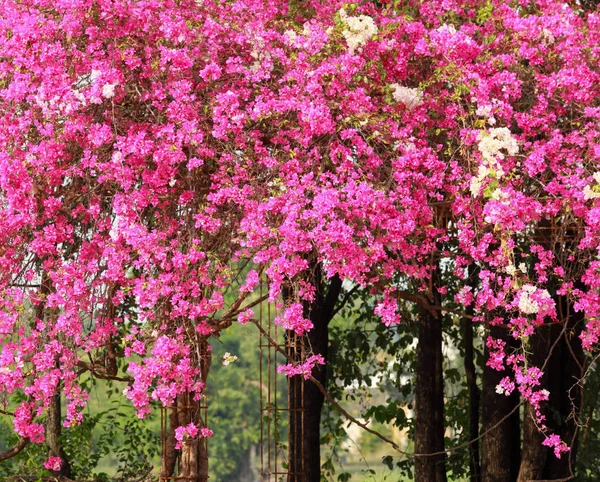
[185, 433]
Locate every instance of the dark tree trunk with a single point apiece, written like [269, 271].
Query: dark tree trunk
[474, 398]
[566, 369]
[500, 447]
[53, 431]
[297, 451]
[534, 454]
[429, 395]
[305, 399]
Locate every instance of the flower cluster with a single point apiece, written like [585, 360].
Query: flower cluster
[359, 30]
[493, 146]
[293, 319]
[556, 444]
[228, 358]
[304, 369]
[592, 192]
[183, 434]
[408, 96]
[53, 463]
[387, 309]
[492, 143]
[533, 300]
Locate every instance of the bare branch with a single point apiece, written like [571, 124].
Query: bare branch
[344, 300]
[92, 368]
[15, 450]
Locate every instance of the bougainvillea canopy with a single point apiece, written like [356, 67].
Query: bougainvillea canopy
[160, 157]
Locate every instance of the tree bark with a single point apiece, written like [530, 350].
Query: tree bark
[184, 417]
[429, 395]
[190, 464]
[14, 450]
[205, 363]
[305, 399]
[566, 368]
[54, 420]
[296, 453]
[193, 459]
[169, 454]
[474, 399]
[534, 454]
[53, 431]
[500, 448]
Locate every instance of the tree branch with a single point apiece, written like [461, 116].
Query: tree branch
[90, 367]
[344, 300]
[333, 293]
[15, 450]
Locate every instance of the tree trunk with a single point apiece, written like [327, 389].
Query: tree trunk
[204, 363]
[169, 454]
[305, 399]
[429, 395]
[190, 464]
[566, 369]
[53, 431]
[534, 455]
[54, 420]
[193, 459]
[183, 418]
[296, 406]
[474, 398]
[500, 448]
